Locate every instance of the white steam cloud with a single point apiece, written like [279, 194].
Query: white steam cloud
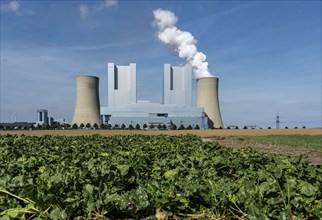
[181, 42]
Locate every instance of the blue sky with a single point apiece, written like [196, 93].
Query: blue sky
[267, 54]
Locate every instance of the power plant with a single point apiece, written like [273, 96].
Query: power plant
[87, 108]
[124, 108]
[207, 98]
[176, 110]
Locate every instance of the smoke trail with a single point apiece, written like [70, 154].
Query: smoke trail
[181, 42]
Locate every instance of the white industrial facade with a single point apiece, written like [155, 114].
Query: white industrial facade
[124, 108]
[42, 117]
[177, 85]
[121, 85]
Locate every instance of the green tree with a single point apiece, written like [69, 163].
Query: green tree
[245, 127]
[58, 126]
[103, 126]
[189, 127]
[131, 127]
[174, 127]
[236, 127]
[88, 125]
[145, 126]
[197, 127]
[123, 126]
[151, 126]
[1, 127]
[137, 127]
[95, 126]
[181, 127]
[116, 126]
[164, 127]
[74, 126]
[45, 127]
[109, 126]
[81, 125]
[159, 127]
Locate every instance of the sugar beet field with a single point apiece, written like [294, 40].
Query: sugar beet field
[153, 177]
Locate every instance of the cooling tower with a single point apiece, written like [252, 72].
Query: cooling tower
[87, 108]
[207, 97]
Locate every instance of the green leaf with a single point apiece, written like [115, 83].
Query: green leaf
[307, 188]
[16, 212]
[112, 198]
[170, 173]
[71, 200]
[5, 217]
[89, 188]
[57, 214]
[123, 168]
[104, 154]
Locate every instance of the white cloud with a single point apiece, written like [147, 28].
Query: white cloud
[106, 4]
[83, 8]
[12, 6]
[110, 3]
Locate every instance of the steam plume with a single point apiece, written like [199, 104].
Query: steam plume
[181, 42]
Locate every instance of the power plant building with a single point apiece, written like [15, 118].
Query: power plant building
[176, 109]
[177, 85]
[42, 117]
[121, 85]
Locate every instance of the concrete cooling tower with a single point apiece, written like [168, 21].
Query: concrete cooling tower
[87, 108]
[207, 97]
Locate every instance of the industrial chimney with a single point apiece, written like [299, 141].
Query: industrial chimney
[87, 108]
[207, 97]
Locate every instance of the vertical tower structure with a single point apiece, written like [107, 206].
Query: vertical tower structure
[207, 97]
[121, 85]
[177, 85]
[87, 108]
[42, 116]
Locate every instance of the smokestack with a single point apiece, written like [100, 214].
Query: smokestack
[87, 108]
[207, 97]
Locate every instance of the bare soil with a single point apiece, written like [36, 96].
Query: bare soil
[312, 156]
[225, 137]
